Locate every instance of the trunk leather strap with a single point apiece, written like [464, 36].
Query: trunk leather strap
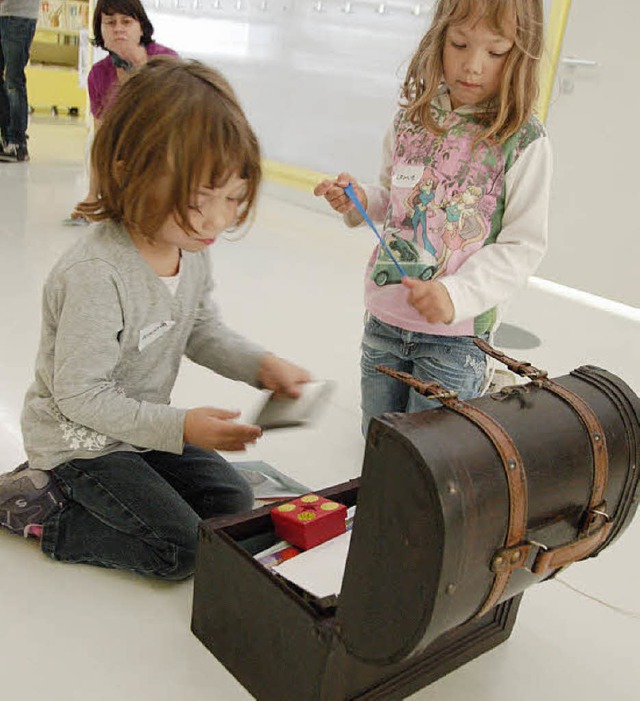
[516, 550]
[596, 524]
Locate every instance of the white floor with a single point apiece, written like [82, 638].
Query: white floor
[76, 633]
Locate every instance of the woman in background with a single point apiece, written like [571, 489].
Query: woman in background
[122, 28]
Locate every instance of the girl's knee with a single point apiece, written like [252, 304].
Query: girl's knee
[235, 497]
[173, 562]
[241, 500]
[183, 568]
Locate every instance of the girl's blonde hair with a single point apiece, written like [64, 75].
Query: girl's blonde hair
[518, 91]
[174, 124]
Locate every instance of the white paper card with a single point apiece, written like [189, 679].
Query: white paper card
[406, 175]
[279, 412]
[321, 569]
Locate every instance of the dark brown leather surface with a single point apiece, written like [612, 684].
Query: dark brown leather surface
[447, 469]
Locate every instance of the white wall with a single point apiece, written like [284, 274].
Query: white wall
[319, 79]
[592, 122]
[319, 84]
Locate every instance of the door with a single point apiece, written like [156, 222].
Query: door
[594, 237]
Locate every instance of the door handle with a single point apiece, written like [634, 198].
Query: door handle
[568, 76]
[583, 62]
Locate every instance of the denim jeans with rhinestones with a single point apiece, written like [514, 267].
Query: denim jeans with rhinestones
[454, 362]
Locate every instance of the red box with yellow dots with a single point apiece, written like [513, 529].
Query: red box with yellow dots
[309, 520]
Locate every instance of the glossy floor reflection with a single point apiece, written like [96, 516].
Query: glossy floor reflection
[71, 633]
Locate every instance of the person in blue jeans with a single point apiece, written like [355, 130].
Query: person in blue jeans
[118, 477]
[466, 122]
[18, 19]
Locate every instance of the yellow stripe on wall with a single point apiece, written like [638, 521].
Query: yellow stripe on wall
[292, 176]
[556, 25]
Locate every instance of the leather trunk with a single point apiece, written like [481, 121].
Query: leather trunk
[457, 514]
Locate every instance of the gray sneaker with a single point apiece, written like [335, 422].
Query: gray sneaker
[27, 498]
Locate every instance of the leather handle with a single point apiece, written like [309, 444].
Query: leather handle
[547, 561]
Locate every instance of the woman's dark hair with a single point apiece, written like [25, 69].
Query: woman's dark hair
[130, 8]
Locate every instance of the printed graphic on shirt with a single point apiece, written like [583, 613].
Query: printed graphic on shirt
[446, 201]
[446, 212]
[417, 207]
[153, 332]
[415, 263]
[464, 224]
[78, 437]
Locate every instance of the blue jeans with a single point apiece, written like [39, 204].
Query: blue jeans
[16, 35]
[454, 362]
[140, 511]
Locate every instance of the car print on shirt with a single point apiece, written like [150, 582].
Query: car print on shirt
[385, 272]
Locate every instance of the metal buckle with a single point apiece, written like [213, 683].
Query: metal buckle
[533, 554]
[591, 521]
[445, 395]
[533, 374]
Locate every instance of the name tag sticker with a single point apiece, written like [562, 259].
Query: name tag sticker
[153, 332]
[406, 175]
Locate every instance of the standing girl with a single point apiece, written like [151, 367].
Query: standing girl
[467, 118]
[116, 476]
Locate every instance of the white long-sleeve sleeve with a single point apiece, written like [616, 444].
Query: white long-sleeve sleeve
[492, 274]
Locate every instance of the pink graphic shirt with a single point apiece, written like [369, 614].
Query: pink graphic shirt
[472, 217]
[103, 80]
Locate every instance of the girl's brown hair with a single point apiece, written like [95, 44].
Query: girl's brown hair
[173, 124]
[518, 92]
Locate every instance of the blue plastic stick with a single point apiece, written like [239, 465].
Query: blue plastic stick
[350, 193]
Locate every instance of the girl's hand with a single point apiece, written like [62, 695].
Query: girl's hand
[431, 299]
[333, 192]
[214, 429]
[282, 377]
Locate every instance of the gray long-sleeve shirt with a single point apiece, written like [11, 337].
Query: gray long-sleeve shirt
[111, 343]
